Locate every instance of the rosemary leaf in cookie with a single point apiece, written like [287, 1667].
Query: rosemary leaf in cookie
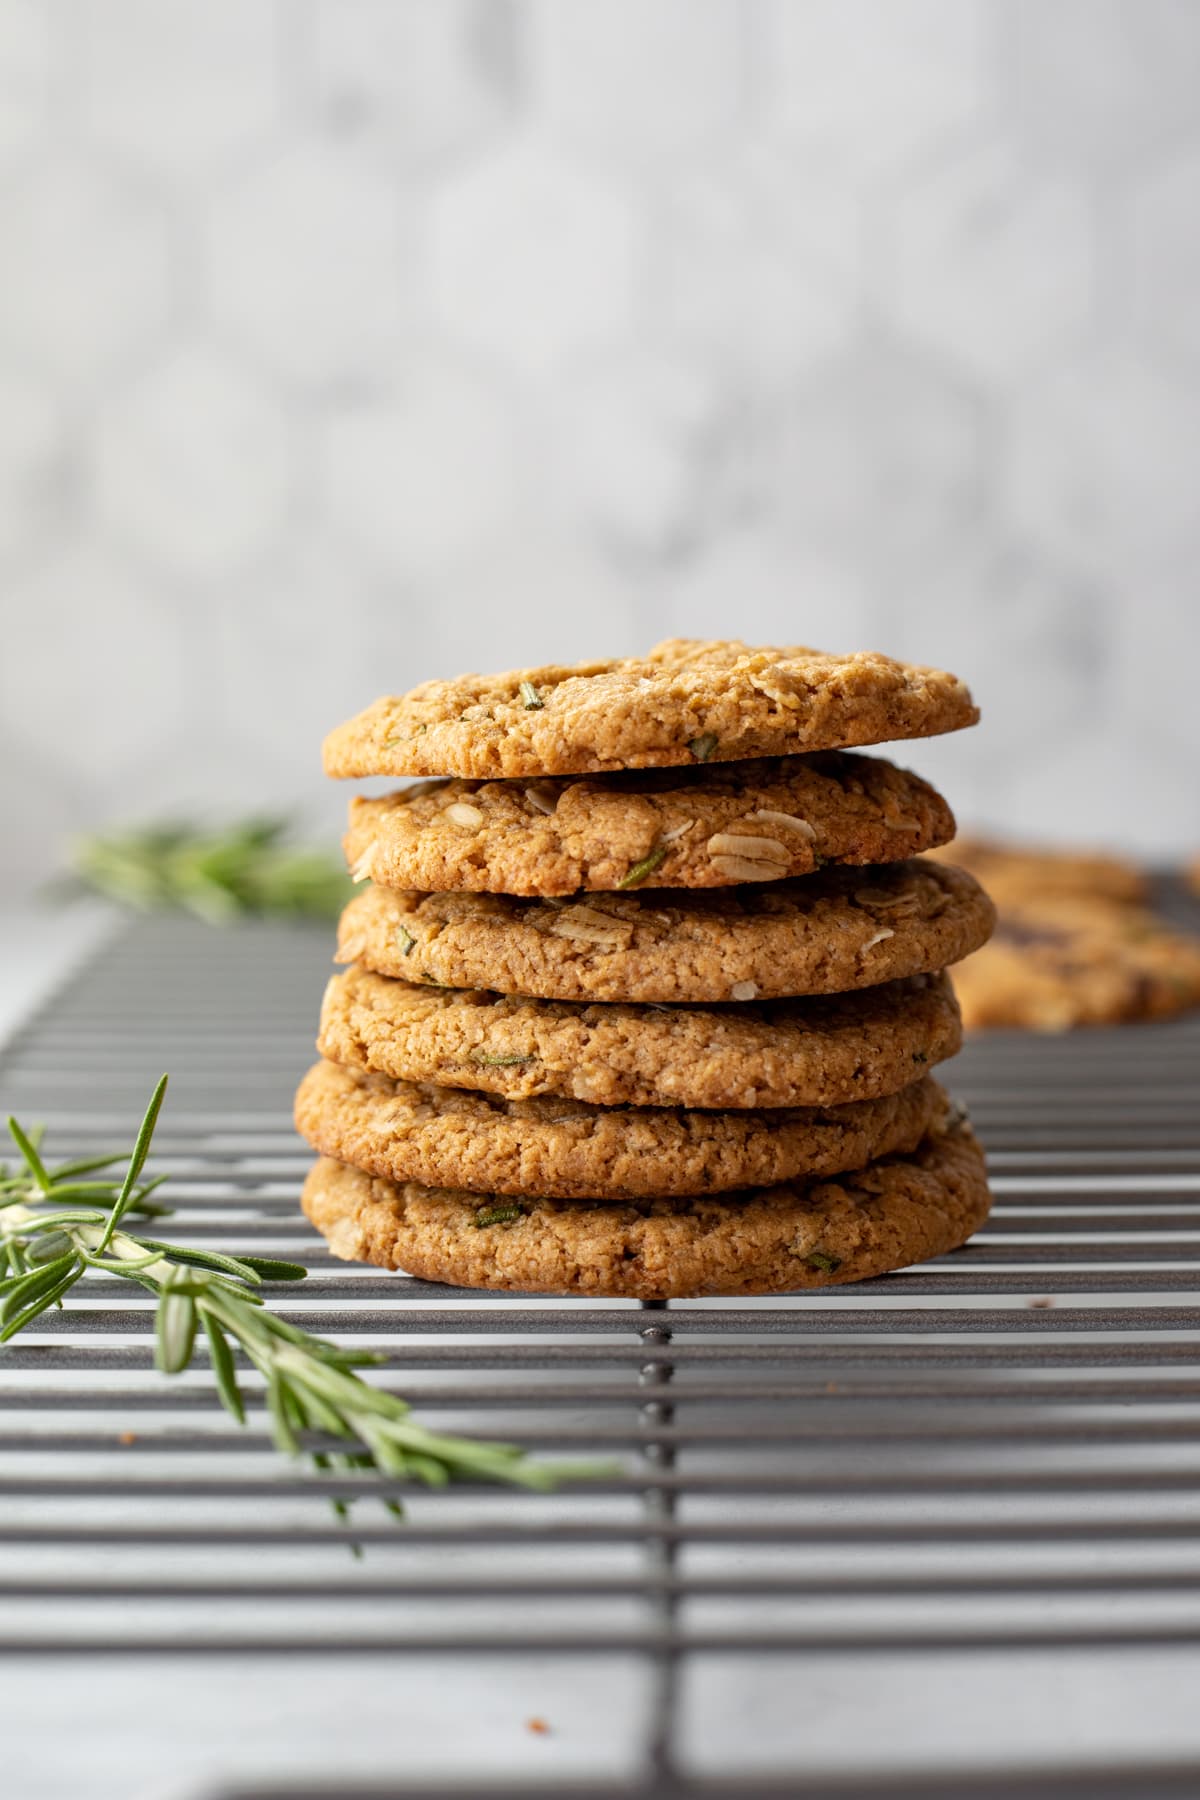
[533, 701]
[641, 870]
[703, 746]
[823, 1262]
[506, 1213]
[487, 1061]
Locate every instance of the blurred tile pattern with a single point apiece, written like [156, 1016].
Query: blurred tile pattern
[344, 342]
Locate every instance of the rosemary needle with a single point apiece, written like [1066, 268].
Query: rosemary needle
[59, 1224]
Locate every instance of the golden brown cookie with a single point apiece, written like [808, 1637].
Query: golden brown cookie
[736, 822]
[566, 1148]
[901, 1210]
[1020, 872]
[824, 934]
[687, 702]
[815, 1052]
[1060, 961]
[819, 1051]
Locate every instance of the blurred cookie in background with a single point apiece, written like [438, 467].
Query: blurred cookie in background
[1057, 963]
[1020, 872]
[1076, 944]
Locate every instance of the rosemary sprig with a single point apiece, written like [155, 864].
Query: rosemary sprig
[59, 1224]
[219, 875]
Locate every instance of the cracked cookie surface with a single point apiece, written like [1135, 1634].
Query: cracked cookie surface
[828, 933]
[687, 702]
[897, 1211]
[447, 1137]
[819, 1051]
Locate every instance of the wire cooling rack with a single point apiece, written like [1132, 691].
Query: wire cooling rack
[991, 1461]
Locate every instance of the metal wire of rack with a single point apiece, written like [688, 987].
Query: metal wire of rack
[998, 1453]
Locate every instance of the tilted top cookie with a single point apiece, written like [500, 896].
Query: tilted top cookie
[686, 702]
[807, 1234]
[823, 934]
[746, 821]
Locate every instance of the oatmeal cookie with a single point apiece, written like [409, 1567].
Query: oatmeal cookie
[824, 934]
[1059, 962]
[818, 1051]
[737, 822]
[900, 1210]
[566, 1148]
[687, 702]
[1019, 872]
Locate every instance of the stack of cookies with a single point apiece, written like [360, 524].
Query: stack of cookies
[646, 989]
[1078, 943]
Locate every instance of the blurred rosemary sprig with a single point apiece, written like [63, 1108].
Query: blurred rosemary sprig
[59, 1224]
[243, 870]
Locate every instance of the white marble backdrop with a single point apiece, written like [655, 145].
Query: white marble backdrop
[344, 342]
